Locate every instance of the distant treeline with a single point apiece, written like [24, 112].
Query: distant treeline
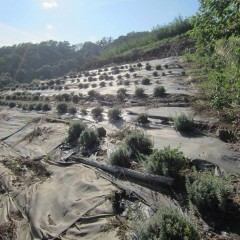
[27, 61]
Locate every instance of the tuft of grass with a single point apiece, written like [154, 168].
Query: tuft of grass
[167, 223]
[120, 157]
[138, 142]
[167, 162]
[183, 123]
[159, 91]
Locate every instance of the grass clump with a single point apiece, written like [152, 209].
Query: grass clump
[142, 118]
[148, 67]
[210, 192]
[97, 112]
[72, 110]
[114, 114]
[159, 91]
[75, 130]
[159, 67]
[145, 81]
[138, 142]
[46, 107]
[120, 157]
[167, 162]
[62, 108]
[167, 223]
[88, 138]
[139, 92]
[183, 123]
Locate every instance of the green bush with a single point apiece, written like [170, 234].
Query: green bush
[145, 81]
[84, 111]
[155, 73]
[209, 192]
[120, 157]
[159, 91]
[75, 130]
[122, 90]
[114, 114]
[88, 138]
[92, 93]
[126, 82]
[31, 107]
[142, 118]
[97, 112]
[139, 92]
[183, 123]
[148, 67]
[46, 107]
[138, 142]
[167, 224]
[139, 65]
[72, 110]
[166, 162]
[12, 104]
[159, 67]
[38, 107]
[102, 84]
[62, 108]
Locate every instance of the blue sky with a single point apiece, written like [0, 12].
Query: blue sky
[78, 21]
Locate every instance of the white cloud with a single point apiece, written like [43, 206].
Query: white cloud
[48, 4]
[49, 27]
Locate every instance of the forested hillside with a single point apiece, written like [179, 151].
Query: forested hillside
[25, 62]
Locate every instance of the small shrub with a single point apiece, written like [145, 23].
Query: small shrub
[158, 67]
[75, 98]
[159, 91]
[12, 104]
[75, 129]
[138, 142]
[131, 69]
[163, 74]
[145, 81]
[80, 85]
[139, 92]
[127, 75]
[84, 111]
[92, 93]
[139, 65]
[97, 112]
[110, 84]
[167, 223]
[166, 66]
[167, 162]
[148, 67]
[86, 85]
[122, 90]
[126, 82]
[114, 114]
[210, 192]
[120, 157]
[120, 82]
[88, 138]
[46, 107]
[142, 118]
[136, 82]
[155, 73]
[72, 110]
[62, 108]
[93, 85]
[38, 107]
[183, 123]
[119, 77]
[102, 84]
